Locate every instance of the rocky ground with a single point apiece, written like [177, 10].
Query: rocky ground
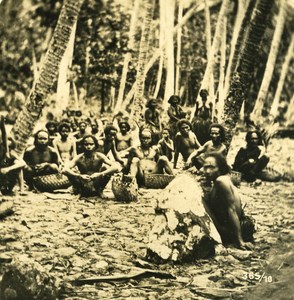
[81, 238]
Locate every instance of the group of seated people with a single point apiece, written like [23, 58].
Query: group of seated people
[84, 158]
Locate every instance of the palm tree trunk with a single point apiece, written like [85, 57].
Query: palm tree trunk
[195, 9]
[245, 66]
[128, 56]
[179, 45]
[221, 96]
[169, 52]
[288, 57]
[237, 34]
[139, 92]
[271, 61]
[32, 109]
[289, 117]
[206, 81]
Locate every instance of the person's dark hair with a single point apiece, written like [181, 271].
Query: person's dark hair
[221, 161]
[151, 102]
[249, 135]
[145, 129]
[93, 138]
[64, 125]
[48, 124]
[108, 128]
[203, 93]
[166, 129]
[183, 121]
[82, 122]
[126, 123]
[222, 131]
[173, 98]
[37, 133]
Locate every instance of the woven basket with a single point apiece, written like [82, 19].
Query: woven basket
[236, 177]
[125, 188]
[157, 181]
[49, 183]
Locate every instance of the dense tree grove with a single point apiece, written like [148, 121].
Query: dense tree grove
[101, 43]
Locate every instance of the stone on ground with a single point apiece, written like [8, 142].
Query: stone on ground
[182, 229]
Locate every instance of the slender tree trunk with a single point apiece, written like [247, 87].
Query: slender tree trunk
[221, 96]
[195, 9]
[288, 58]
[139, 92]
[237, 34]
[245, 66]
[169, 52]
[128, 55]
[271, 61]
[161, 41]
[63, 84]
[179, 46]
[32, 109]
[206, 81]
[290, 113]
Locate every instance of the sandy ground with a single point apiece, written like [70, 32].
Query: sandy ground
[74, 238]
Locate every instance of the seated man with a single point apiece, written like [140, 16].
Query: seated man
[65, 146]
[146, 159]
[251, 160]
[109, 143]
[80, 135]
[92, 175]
[166, 144]
[124, 140]
[215, 144]
[185, 141]
[10, 163]
[41, 159]
[223, 203]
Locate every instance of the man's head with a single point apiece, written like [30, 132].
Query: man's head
[51, 127]
[152, 103]
[110, 132]
[253, 138]
[94, 128]
[89, 143]
[124, 126]
[41, 139]
[145, 137]
[82, 126]
[174, 99]
[64, 130]
[203, 94]
[217, 133]
[184, 126]
[165, 133]
[215, 165]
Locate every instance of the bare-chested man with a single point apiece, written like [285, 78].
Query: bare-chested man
[185, 141]
[65, 146]
[215, 144]
[223, 203]
[124, 139]
[94, 169]
[146, 159]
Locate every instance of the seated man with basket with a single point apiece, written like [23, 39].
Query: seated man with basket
[146, 159]
[42, 161]
[90, 171]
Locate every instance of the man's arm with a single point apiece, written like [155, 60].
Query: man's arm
[177, 150]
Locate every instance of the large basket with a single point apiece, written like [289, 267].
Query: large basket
[49, 183]
[157, 181]
[236, 178]
[124, 188]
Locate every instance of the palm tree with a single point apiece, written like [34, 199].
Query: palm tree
[245, 65]
[143, 50]
[271, 61]
[32, 109]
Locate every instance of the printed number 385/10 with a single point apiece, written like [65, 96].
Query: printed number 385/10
[258, 277]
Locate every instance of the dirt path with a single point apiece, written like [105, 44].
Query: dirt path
[75, 238]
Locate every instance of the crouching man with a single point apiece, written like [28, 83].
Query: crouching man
[90, 171]
[223, 204]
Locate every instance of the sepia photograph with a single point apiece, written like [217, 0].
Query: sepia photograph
[146, 149]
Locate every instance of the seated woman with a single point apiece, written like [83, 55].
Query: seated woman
[251, 160]
[215, 144]
[10, 164]
[41, 159]
[94, 169]
[146, 159]
[223, 204]
[166, 144]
